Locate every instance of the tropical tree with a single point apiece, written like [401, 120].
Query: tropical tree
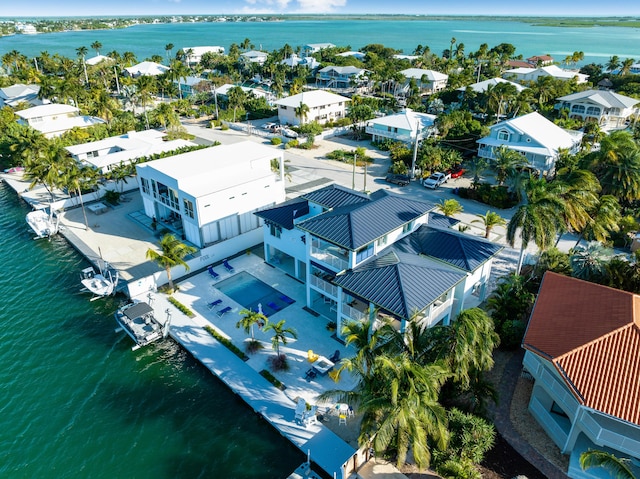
[505, 162]
[82, 52]
[76, 178]
[172, 253]
[449, 207]
[145, 88]
[236, 98]
[301, 112]
[490, 220]
[280, 333]
[590, 262]
[477, 167]
[618, 467]
[168, 48]
[604, 219]
[96, 46]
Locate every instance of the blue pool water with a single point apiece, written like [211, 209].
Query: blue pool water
[249, 291]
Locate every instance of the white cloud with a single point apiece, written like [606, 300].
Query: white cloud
[320, 6]
[292, 6]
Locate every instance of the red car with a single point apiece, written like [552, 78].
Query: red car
[456, 172]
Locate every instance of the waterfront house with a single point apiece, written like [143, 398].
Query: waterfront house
[208, 196]
[582, 346]
[610, 110]
[357, 55]
[54, 119]
[427, 81]
[323, 106]
[98, 59]
[311, 48]
[403, 126]
[294, 60]
[254, 56]
[380, 256]
[145, 69]
[20, 93]
[537, 139]
[532, 74]
[192, 85]
[103, 155]
[193, 55]
[223, 90]
[540, 60]
[341, 77]
[483, 86]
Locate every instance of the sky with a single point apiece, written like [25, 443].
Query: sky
[215, 7]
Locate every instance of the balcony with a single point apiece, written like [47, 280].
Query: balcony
[353, 313]
[388, 134]
[325, 286]
[328, 256]
[486, 152]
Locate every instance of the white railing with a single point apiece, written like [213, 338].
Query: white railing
[322, 255]
[486, 153]
[353, 313]
[325, 286]
[388, 134]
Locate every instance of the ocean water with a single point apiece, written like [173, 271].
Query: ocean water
[597, 43]
[76, 402]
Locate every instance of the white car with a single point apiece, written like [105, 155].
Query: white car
[436, 180]
[289, 133]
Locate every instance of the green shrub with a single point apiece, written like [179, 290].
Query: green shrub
[272, 379]
[293, 143]
[511, 334]
[227, 343]
[112, 197]
[224, 127]
[276, 140]
[183, 309]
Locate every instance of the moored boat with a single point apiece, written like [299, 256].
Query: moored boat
[100, 284]
[43, 223]
[138, 320]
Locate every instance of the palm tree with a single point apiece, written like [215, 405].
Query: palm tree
[590, 262]
[449, 207]
[619, 468]
[613, 63]
[172, 254]
[249, 318]
[166, 115]
[301, 112]
[280, 335]
[537, 219]
[477, 167]
[76, 178]
[625, 66]
[82, 51]
[579, 191]
[168, 48]
[490, 220]
[603, 220]
[505, 162]
[145, 87]
[96, 46]
[236, 98]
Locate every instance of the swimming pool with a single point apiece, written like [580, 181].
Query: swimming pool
[249, 291]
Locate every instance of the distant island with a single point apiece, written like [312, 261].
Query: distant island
[11, 26]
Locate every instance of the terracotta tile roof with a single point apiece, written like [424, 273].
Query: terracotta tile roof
[591, 334]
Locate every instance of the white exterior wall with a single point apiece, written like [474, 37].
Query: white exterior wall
[321, 114]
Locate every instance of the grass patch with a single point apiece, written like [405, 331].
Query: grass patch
[272, 379]
[228, 344]
[183, 309]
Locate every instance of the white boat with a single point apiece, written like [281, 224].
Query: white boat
[137, 319]
[44, 223]
[100, 284]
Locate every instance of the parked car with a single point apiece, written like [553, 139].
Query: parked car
[268, 126]
[400, 180]
[289, 133]
[436, 180]
[456, 172]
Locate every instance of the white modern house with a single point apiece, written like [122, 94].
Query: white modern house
[428, 81]
[534, 137]
[209, 196]
[532, 74]
[103, 155]
[403, 126]
[99, 59]
[193, 55]
[311, 48]
[223, 90]
[483, 86]
[610, 110]
[380, 257]
[54, 119]
[323, 106]
[341, 77]
[254, 56]
[294, 60]
[146, 69]
[582, 349]
[20, 93]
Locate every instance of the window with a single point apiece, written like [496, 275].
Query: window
[92, 154]
[145, 186]
[188, 208]
[382, 241]
[593, 110]
[364, 253]
[275, 230]
[577, 109]
[555, 409]
[408, 227]
[503, 135]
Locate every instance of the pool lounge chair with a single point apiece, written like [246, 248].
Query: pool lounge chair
[301, 409]
[228, 267]
[287, 299]
[310, 374]
[224, 311]
[213, 304]
[311, 356]
[274, 306]
[335, 357]
[212, 273]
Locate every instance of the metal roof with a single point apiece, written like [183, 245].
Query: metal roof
[284, 214]
[354, 226]
[400, 283]
[455, 248]
[437, 219]
[333, 196]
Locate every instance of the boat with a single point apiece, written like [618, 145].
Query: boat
[100, 284]
[43, 221]
[138, 320]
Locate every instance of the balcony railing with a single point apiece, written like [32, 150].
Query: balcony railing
[486, 153]
[388, 134]
[353, 313]
[326, 257]
[325, 286]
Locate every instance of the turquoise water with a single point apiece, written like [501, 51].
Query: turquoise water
[76, 402]
[249, 291]
[598, 43]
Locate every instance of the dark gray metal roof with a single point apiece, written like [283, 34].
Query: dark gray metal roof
[354, 226]
[458, 249]
[437, 219]
[138, 310]
[335, 196]
[400, 283]
[284, 213]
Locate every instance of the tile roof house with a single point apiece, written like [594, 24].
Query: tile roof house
[323, 106]
[403, 126]
[540, 60]
[428, 81]
[536, 138]
[54, 119]
[610, 110]
[378, 257]
[583, 351]
[209, 196]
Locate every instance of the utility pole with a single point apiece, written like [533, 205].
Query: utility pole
[415, 151]
[115, 72]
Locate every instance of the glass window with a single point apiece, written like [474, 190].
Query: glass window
[503, 135]
[364, 253]
[382, 241]
[275, 230]
[188, 208]
[145, 185]
[408, 227]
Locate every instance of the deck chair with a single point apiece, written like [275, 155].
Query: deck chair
[287, 299]
[224, 311]
[212, 273]
[227, 266]
[310, 374]
[335, 375]
[301, 408]
[335, 357]
[274, 306]
[311, 356]
[213, 304]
